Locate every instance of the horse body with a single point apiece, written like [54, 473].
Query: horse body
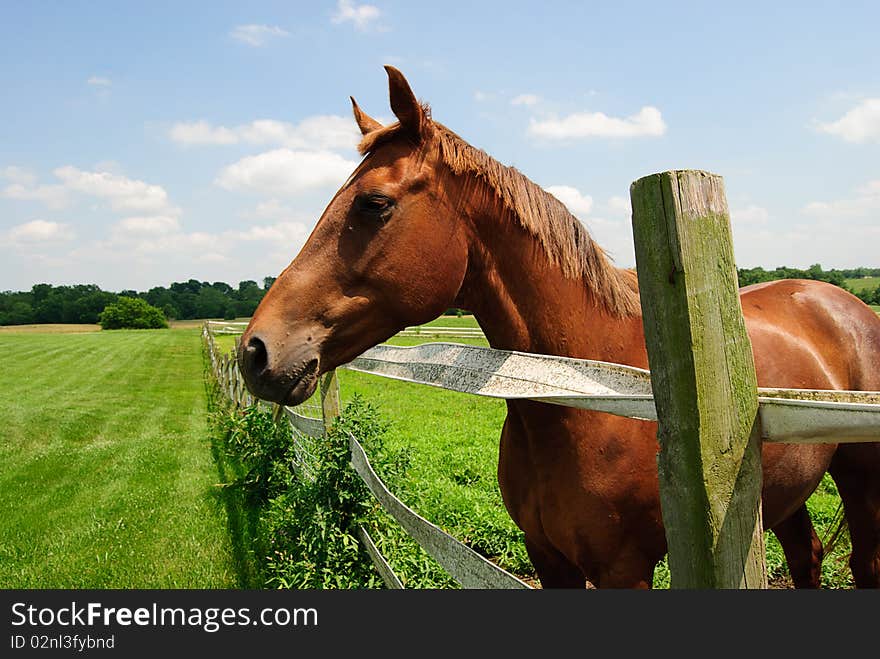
[551, 456]
[427, 222]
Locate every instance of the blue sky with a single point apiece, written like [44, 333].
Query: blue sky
[145, 143]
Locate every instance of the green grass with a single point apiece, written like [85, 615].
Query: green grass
[106, 470]
[453, 321]
[863, 284]
[451, 445]
[451, 448]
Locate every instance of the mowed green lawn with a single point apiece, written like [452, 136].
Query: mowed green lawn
[863, 283]
[450, 441]
[106, 470]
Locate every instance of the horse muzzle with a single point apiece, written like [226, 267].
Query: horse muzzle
[281, 373]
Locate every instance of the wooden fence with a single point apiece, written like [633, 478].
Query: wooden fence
[709, 463]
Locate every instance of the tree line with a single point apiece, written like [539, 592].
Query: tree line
[837, 277]
[83, 303]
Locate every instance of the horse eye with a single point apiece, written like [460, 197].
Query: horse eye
[375, 204]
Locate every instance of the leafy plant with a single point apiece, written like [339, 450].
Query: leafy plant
[132, 313]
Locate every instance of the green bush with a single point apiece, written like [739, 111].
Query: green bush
[304, 531]
[131, 313]
[306, 524]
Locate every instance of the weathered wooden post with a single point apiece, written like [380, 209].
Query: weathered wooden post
[329, 398]
[703, 379]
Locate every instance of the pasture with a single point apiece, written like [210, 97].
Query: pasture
[107, 477]
[449, 446]
[863, 283]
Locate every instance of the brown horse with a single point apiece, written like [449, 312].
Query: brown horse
[428, 222]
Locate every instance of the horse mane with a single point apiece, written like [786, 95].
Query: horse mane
[563, 237]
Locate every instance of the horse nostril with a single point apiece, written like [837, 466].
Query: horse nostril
[256, 355]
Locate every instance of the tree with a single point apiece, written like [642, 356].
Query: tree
[132, 313]
[210, 303]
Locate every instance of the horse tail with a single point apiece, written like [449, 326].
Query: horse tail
[834, 531]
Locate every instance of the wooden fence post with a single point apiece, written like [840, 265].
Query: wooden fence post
[329, 398]
[703, 378]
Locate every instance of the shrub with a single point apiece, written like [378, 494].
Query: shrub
[132, 313]
[305, 528]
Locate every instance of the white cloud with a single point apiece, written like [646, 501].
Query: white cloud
[124, 194]
[751, 215]
[481, 96]
[53, 196]
[832, 243]
[579, 204]
[282, 233]
[201, 132]
[321, 132]
[152, 225]
[614, 236]
[110, 166]
[864, 204]
[362, 16]
[99, 81]
[861, 124]
[271, 209]
[619, 207]
[40, 231]
[841, 233]
[285, 172]
[525, 99]
[648, 122]
[257, 35]
[18, 175]
[317, 132]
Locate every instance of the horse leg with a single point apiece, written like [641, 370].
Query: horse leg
[802, 547]
[630, 569]
[554, 570]
[856, 471]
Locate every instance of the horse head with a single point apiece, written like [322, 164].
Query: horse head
[389, 251]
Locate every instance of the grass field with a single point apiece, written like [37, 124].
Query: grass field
[107, 473]
[114, 488]
[451, 447]
[863, 283]
[58, 328]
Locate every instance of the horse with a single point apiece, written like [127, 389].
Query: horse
[427, 222]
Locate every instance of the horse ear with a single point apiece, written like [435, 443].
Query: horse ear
[364, 121]
[403, 102]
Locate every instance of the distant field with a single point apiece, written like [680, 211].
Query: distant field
[106, 471]
[453, 321]
[863, 284]
[198, 322]
[49, 329]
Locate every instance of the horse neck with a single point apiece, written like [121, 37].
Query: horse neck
[523, 301]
